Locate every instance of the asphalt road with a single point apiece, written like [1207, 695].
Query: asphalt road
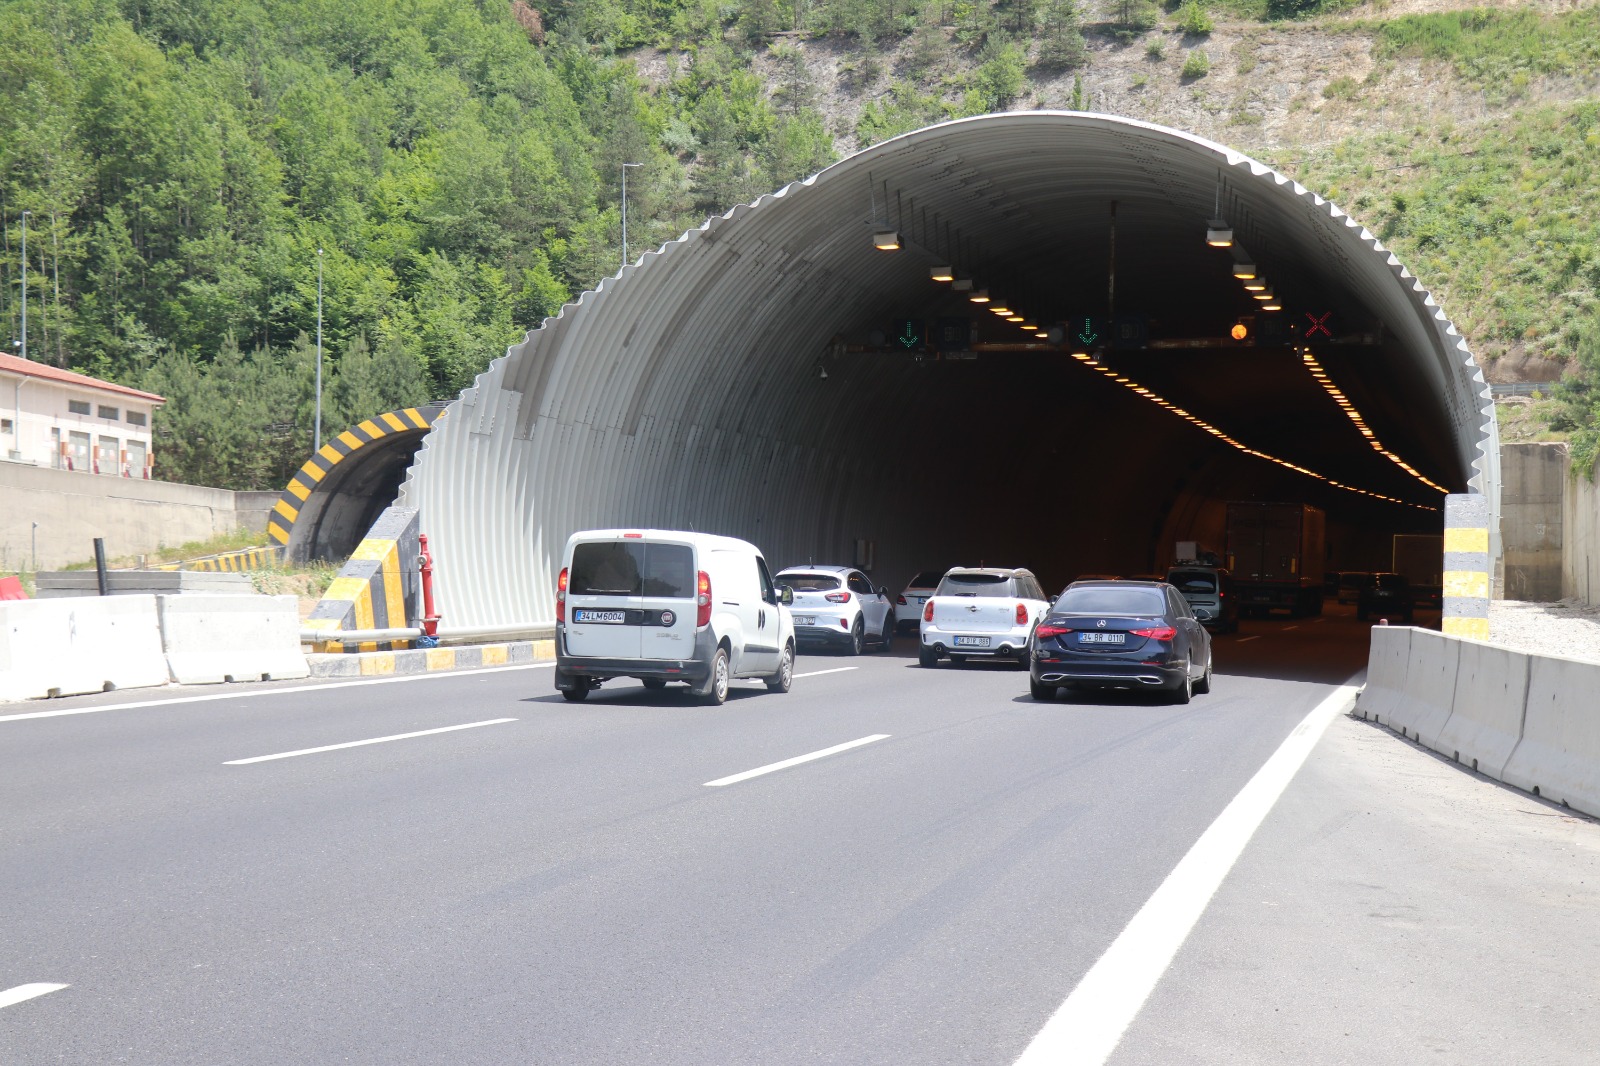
[530, 881]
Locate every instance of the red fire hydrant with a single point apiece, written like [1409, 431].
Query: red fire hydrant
[430, 620]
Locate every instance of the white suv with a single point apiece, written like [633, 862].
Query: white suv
[981, 612]
[665, 606]
[837, 607]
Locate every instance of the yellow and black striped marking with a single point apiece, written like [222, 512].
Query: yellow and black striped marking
[376, 589]
[1466, 566]
[280, 522]
[235, 562]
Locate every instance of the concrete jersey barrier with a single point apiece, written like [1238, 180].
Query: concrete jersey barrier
[1485, 724]
[70, 646]
[1430, 688]
[1382, 698]
[1558, 757]
[212, 639]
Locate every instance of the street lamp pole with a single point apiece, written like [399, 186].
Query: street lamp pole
[24, 285]
[316, 445]
[625, 167]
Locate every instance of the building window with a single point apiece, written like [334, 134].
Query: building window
[109, 412]
[5, 425]
[78, 407]
[136, 418]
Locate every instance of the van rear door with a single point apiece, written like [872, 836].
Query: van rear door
[604, 599]
[667, 603]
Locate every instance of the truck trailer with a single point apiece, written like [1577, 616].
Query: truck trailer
[1275, 553]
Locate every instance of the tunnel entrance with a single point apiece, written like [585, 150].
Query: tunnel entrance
[783, 375]
[335, 497]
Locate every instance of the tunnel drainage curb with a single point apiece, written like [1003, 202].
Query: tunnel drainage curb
[431, 660]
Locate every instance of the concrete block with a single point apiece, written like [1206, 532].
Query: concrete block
[59, 583]
[1388, 659]
[69, 646]
[1490, 693]
[1559, 755]
[211, 639]
[1430, 689]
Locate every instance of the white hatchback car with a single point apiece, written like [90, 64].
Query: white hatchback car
[982, 613]
[908, 607]
[837, 607]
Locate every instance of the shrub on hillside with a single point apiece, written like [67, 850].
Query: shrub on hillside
[1196, 65]
[1193, 20]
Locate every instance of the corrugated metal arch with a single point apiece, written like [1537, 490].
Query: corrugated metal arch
[684, 392]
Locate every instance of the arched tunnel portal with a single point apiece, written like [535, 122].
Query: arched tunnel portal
[756, 377]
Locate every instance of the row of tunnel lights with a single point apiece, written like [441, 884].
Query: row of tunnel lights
[1321, 376]
[1218, 235]
[1200, 423]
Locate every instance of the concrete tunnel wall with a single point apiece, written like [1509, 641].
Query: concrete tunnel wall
[685, 392]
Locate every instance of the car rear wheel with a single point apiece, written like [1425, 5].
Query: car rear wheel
[579, 694]
[1042, 693]
[1185, 689]
[858, 638]
[780, 681]
[926, 656]
[715, 690]
[886, 639]
[1204, 684]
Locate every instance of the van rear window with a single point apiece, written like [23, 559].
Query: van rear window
[623, 568]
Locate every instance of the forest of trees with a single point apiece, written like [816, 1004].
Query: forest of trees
[457, 163]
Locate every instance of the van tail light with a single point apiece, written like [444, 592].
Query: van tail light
[1046, 632]
[561, 596]
[1022, 614]
[702, 600]
[927, 611]
[1157, 633]
[837, 597]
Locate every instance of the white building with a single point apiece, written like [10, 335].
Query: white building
[54, 418]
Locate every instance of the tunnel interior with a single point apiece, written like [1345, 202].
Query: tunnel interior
[337, 513]
[758, 377]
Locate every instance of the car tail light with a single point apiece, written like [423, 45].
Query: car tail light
[702, 601]
[1022, 614]
[900, 600]
[1157, 633]
[837, 597]
[1045, 632]
[927, 612]
[561, 596]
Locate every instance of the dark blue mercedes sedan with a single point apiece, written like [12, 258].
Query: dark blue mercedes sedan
[1120, 634]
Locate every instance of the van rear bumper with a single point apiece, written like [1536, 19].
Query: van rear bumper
[569, 667]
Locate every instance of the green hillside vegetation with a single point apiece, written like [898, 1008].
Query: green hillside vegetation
[459, 165]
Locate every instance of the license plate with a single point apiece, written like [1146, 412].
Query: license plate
[805, 619]
[1102, 638]
[972, 642]
[610, 618]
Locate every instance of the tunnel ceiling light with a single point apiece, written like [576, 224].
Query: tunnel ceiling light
[942, 273]
[979, 296]
[886, 240]
[1161, 401]
[1013, 318]
[1043, 335]
[1255, 285]
[1272, 305]
[1219, 234]
[1031, 328]
[1320, 375]
[1000, 307]
[1264, 294]
[1243, 269]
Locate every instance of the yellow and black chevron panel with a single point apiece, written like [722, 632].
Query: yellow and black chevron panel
[409, 420]
[378, 588]
[235, 562]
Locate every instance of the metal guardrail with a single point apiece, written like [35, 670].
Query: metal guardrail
[1523, 388]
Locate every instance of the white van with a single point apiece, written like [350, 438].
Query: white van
[663, 606]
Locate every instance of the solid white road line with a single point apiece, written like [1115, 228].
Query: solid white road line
[287, 690]
[796, 761]
[363, 743]
[835, 670]
[1241, 640]
[1088, 1025]
[23, 993]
